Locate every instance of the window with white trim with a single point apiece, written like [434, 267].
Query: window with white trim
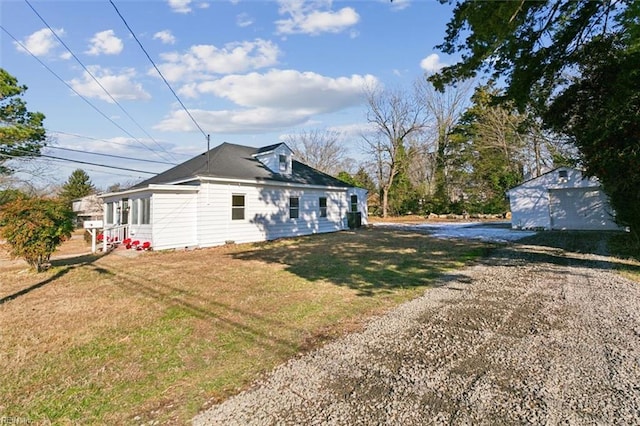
[109, 218]
[283, 162]
[145, 211]
[237, 207]
[294, 207]
[323, 206]
[134, 211]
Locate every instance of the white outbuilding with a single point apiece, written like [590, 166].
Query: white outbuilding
[561, 199]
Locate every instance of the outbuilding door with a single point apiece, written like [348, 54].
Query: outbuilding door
[579, 208]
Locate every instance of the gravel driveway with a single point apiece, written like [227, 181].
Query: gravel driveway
[532, 335]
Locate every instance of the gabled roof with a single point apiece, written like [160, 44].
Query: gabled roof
[233, 161]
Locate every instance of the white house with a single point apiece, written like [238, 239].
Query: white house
[232, 193]
[87, 208]
[561, 199]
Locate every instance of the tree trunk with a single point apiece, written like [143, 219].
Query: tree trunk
[385, 201]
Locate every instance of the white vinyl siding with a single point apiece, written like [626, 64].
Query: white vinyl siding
[174, 224]
[266, 210]
[560, 199]
[203, 217]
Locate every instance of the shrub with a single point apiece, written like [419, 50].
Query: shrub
[34, 228]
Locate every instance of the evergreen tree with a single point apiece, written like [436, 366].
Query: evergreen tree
[78, 185]
[21, 132]
[579, 57]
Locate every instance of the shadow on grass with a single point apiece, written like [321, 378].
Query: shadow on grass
[370, 260]
[201, 306]
[568, 248]
[67, 264]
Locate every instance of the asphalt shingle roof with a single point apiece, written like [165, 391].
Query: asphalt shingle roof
[238, 162]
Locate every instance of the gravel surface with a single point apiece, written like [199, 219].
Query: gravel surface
[532, 335]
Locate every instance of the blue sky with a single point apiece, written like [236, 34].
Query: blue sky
[249, 72]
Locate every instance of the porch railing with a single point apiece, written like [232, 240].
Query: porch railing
[114, 235]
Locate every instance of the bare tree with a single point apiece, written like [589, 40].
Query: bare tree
[396, 117]
[446, 108]
[321, 149]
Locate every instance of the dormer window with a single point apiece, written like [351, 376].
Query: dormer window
[277, 158]
[562, 176]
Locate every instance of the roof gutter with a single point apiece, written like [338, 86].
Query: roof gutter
[271, 183]
[153, 188]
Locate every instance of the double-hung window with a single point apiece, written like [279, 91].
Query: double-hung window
[109, 218]
[323, 206]
[282, 159]
[294, 207]
[145, 211]
[237, 207]
[134, 211]
[354, 203]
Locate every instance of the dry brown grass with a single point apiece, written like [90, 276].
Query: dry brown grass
[117, 339]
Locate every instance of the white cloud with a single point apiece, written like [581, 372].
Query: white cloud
[275, 100]
[66, 55]
[432, 63]
[254, 120]
[400, 4]
[201, 61]
[314, 17]
[105, 42]
[180, 6]
[120, 86]
[290, 89]
[244, 20]
[41, 42]
[165, 36]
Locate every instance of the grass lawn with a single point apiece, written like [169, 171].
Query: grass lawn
[161, 336]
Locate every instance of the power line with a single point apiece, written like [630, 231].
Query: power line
[157, 69]
[71, 88]
[110, 155]
[102, 140]
[82, 162]
[97, 81]
[15, 157]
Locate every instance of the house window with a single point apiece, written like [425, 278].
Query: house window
[237, 207]
[562, 176]
[283, 163]
[323, 206]
[145, 211]
[109, 218]
[294, 207]
[134, 212]
[354, 203]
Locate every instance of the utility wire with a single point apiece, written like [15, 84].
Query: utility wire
[110, 155]
[98, 83]
[15, 157]
[60, 132]
[157, 69]
[81, 162]
[70, 87]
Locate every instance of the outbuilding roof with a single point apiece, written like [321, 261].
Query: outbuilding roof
[233, 161]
